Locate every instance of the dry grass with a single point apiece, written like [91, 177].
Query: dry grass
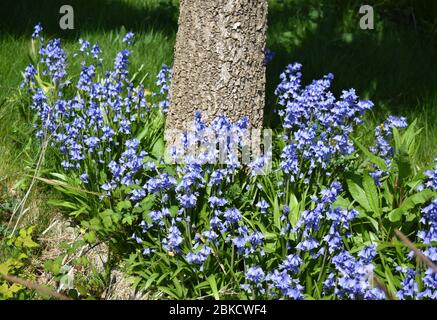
[63, 230]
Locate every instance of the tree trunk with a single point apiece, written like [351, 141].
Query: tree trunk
[219, 62]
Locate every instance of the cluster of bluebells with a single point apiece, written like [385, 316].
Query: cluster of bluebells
[320, 234]
[52, 59]
[91, 127]
[282, 282]
[334, 221]
[427, 235]
[382, 147]
[198, 172]
[317, 125]
[353, 277]
[88, 50]
[163, 81]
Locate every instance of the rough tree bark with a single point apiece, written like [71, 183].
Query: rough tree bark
[219, 62]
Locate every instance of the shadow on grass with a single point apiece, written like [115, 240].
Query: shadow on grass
[17, 17]
[395, 65]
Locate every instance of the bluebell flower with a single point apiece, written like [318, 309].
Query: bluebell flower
[29, 76]
[308, 244]
[137, 194]
[188, 200]
[409, 287]
[432, 178]
[53, 57]
[382, 148]
[136, 238]
[263, 205]
[128, 38]
[84, 45]
[239, 243]
[108, 186]
[163, 81]
[216, 202]
[86, 78]
[96, 51]
[215, 222]
[255, 274]
[37, 29]
[121, 63]
[395, 122]
[256, 238]
[368, 253]
[156, 216]
[354, 280]
[232, 215]
[291, 263]
[210, 235]
[268, 56]
[281, 284]
[92, 142]
[173, 240]
[84, 177]
[162, 183]
[319, 125]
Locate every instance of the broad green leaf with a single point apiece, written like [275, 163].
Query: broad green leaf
[410, 202]
[27, 242]
[179, 290]
[373, 158]
[341, 202]
[213, 284]
[127, 219]
[147, 203]
[77, 213]
[63, 177]
[276, 214]
[397, 138]
[169, 292]
[358, 194]
[174, 210]
[158, 148]
[164, 275]
[388, 195]
[124, 205]
[395, 215]
[150, 280]
[107, 221]
[293, 205]
[371, 193]
[202, 285]
[95, 224]
[270, 247]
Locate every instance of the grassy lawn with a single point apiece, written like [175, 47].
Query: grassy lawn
[394, 65]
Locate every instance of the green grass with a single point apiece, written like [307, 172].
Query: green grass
[393, 65]
[154, 24]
